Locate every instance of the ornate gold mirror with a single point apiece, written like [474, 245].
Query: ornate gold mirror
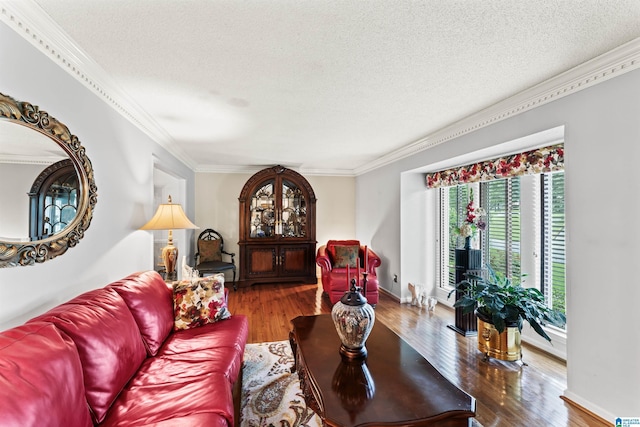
[48, 191]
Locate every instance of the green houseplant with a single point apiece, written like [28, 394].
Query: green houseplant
[500, 302]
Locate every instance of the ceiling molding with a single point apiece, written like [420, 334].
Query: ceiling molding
[254, 169]
[616, 62]
[29, 159]
[32, 23]
[28, 19]
[327, 172]
[229, 169]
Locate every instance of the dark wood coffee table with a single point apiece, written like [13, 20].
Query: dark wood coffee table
[393, 386]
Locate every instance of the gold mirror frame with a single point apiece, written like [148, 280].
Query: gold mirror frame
[16, 253]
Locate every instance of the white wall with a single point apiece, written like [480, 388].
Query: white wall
[378, 208]
[217, 206]
[602, 149]
[336, 207]
[122, 158]
[416, 226]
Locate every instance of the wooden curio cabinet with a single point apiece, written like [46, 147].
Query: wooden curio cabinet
[277, 228]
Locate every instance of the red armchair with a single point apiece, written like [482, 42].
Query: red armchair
[333, 258]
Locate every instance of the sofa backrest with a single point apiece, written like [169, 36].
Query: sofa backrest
[41, 379]
[108, 341]
[150, 300]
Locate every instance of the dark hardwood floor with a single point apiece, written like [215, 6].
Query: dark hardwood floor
[507, 394]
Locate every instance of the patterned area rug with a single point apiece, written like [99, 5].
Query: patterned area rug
[271, 395]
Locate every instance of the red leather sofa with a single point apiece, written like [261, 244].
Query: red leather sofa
[334, 277]
[110, 357]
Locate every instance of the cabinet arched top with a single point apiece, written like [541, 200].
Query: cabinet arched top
[271, 172]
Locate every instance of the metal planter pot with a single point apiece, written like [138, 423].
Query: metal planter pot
[502, 346]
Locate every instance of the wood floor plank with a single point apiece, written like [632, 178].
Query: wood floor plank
[507, 394]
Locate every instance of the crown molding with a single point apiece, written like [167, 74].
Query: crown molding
[228, 169]
[611, 64]
[327, 172]
[29, 160]
[28, 19]
[254, 169]
[32, 23]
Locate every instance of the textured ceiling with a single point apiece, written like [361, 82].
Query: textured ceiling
[330, 84]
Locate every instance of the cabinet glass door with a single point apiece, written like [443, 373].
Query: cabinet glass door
[294, 211]
[263, 211]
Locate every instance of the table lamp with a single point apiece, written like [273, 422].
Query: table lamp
[170, 217]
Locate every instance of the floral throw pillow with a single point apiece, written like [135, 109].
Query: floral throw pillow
[210, 250]
[199, 302]
[345, 256]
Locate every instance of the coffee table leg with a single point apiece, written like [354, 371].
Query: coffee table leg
[294, 349]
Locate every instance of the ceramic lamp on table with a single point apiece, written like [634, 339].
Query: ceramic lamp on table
[169, 216]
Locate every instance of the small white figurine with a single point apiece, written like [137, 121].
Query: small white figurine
[418, 295]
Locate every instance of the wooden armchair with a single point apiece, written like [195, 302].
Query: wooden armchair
[208, 259]
[333, 264]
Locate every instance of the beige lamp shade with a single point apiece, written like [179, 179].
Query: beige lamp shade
[170, 217]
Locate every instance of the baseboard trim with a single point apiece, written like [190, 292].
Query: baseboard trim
[388, 293]
[585, 410]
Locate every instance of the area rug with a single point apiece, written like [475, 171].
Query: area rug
[271, 394]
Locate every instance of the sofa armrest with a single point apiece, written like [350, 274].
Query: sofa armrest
[322, 259]
[373, 261]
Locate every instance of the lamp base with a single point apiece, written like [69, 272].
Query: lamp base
[169, 256]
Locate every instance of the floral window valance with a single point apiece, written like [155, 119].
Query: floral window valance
[547, 159]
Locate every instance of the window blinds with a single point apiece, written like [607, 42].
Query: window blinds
[553, 241]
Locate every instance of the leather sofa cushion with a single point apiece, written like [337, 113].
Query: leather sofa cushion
[189, 382]
[198, 393]
[233, 332]
[187, 367]
[41, 380]
[339, 287]
[150, 300]
[208, 419]
[222, 342]
[108, 340]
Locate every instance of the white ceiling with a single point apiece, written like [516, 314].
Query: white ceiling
[328, 85]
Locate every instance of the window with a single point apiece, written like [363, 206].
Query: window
[519, 226]
[53, 200]
[523, 197]
[501, 239]
[453, 207]
[553, 242]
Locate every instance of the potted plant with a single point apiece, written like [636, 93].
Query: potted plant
[502, 307]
